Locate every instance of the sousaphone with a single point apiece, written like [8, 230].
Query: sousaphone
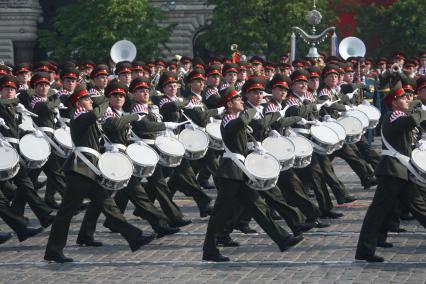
[352, 47]
[123, 50]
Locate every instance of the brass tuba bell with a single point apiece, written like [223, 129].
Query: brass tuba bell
[234, 47]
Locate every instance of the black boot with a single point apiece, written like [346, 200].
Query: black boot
[57, 257]
[28, 233]
[141, 241]
[215, 257]
[4, 237]
[88, 242]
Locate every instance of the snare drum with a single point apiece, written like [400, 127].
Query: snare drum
[282, 149]
[213, 131]
[62, 137]
[144, 159]
[340, 130]
[325, 139]
[35, 151]
[353, 128]
[361, 116]
[196, 143]
[170, 150]
[303, 151]
[418, 160]
[9, 162]
[116, 169]
[372, 113]
[264, 168]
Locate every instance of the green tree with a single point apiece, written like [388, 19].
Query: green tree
[261, 26]
[400, 26]
[88, 29]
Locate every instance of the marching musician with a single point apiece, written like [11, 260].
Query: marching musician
[22, 72]
[123, 70]
[230, 182]
[82, 181]
[99, 76]
[394, 183]
[211, 96]
[146, 128]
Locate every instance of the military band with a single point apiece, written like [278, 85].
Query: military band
[85, 113]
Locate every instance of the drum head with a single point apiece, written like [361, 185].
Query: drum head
[361, 116]
[115, 166]
[169, 145]
[194, 140]
[324, 134]
[418, 158]
[142, 154]
[213, 129]
[281, 148]
[352, 125]
[63, 137]
[303, 147]
[372, 112]
[9, 157]
[262, 166]
[338, 128]
[34, 148]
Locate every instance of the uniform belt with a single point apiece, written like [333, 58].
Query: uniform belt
[149, 141]
[79, 153]
[120, 146]
[47, 129]
[302, 131]
[238, 160]
[12, 140]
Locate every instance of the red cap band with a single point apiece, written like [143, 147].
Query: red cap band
[169, 80]
[232, 69]
[300, 78]
[197, 76]
[70, 75]
[280, 84]
[41, 80]
[74, 98]
[124, 70]
[229, 97]
[331, 71]
[408, 87]
[100, 72]
[255, 86]
[117, 90]
[138, 67]
[141, 85]
[214, 72]
[314, 74]
[9, 84]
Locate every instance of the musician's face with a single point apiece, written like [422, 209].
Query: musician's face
[331, 80]
[348, 77]
[8, 93]
[137, 73]
[255, 97]
[69, 84]
[141, 95]
[170, 89]
[24, 77]
[42, 89]
[101, 81]
[117, 100]
[300, 87]
[242, 75]
[197, 86]
[421, 94]
[187, 66]
[279, 94]
[269, 72]
[85, 102]
[257, 68]
[231, 77]
[125, 78]
[236, 105]
[313, 84]
[401, 103]
[213, 80]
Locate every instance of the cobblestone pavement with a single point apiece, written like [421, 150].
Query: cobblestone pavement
[325, 255]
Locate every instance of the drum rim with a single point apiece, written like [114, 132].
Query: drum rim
[370, 107]
[33, 135]
[61, 130]
[167, 153]
[145, 146]
[307, 140]
[413, 160]
[324, 142]
[335, 123]
[112, 179]
[287, 140]
[198, 150]
[351, 117]
[363, 113]
[210, 134]
[16, 154]
[262, 178]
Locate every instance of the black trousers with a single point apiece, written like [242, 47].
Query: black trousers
[206, 166]
[376, 222]
[79, 187]
[330, 178]
[232, 193]
[15, 222]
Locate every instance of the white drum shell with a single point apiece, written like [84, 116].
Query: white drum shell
[62, 137]
[340, 130]
[353, 127]
[303, 151]
[196, 143]
[116, 170]
[361, 116]
[35, 151]
[282, 149]
[372, 113]
[213, 131]
[264, 168]
[418, 160]
[9, 162]
[325, 137]
[144, 159]
[170, 150]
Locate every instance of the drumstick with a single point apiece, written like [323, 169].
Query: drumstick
[183, 122]
[193, 124]
[5, 126]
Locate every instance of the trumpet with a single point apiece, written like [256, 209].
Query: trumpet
[396, 68]
[234, 47]
[235, 53]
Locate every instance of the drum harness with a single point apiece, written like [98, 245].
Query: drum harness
[403, 159]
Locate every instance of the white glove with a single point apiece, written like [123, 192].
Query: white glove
[140, 117]
[348, 108]
[316, 122]
[190, 126]
[365, 102]
[328, 118]
[171, 125]
[62, 106]
[220, 110]
[259, 150]
[302, 121]
[2, 123]
[20, 108]
[290, 133]
[282, 112]
[189, 106]
[273, 133]
[421, 145]
[328, 103]
[38, 133]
